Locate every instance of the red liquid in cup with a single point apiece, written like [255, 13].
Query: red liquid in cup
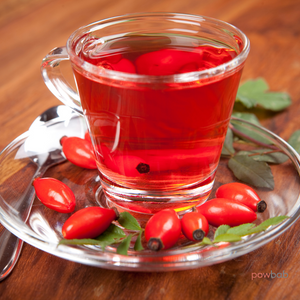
[158, 136]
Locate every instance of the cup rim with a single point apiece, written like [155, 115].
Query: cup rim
[207, 75]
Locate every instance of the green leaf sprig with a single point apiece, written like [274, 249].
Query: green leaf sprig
[252, 167]
[225, 233]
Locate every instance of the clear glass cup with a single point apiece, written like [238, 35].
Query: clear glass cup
[157, 114]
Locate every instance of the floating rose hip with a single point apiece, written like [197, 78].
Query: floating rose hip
[54, 194]
[220, 211]
[194, 226]
[88, 222]
[79, 152]
[243, 193]
[163, 230]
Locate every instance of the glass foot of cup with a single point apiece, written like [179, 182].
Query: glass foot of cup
[150, 202]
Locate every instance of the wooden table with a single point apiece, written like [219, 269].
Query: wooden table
[30, 29]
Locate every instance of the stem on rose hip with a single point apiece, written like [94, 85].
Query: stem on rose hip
[265, 152]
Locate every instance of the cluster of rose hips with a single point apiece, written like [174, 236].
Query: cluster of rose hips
[53, 193]
[235, 204]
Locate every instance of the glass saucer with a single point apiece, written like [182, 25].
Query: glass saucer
[42, 229]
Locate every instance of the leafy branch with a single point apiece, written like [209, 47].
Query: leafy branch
[225, 233]
[252, 167]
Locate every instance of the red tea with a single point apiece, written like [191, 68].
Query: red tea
[161, 135]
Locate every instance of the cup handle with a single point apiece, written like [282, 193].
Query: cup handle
[55, 80]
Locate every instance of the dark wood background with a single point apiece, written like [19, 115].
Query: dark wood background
[29, 29]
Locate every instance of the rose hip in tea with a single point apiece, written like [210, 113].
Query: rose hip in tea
[163, 136]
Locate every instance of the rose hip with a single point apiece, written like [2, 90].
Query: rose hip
[243, 193]
[79, 152]
[87, 136]
[54, 194]
[194, 226]
[220, 211]
[163, 230]
[88, 222]
[167, 62]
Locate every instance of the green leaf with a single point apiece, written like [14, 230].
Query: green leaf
[247, 91]
[249, 117]
[103, 244]
[254, 93]
[273, 221]
[244, 128]
[111, 233]
[124, 246]
[274, 101]
[254, 86]
[241, 230]
[128, 221]
[206, 241]
[294, 141]
[266, 155]
[138, 243]
[228, 144]
[253, 172]
[227, 237]
[221, 230]
[267, 223]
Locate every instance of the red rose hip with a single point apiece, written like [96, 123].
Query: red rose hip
[54, 194]
[163, 230]
[87, 136]
[79, 152]
[88, 222]
[221, 211]
[194, 226]
[243, 193]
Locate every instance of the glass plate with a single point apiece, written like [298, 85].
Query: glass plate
[42, 229]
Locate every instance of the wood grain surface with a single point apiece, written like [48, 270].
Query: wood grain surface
[29, 29]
